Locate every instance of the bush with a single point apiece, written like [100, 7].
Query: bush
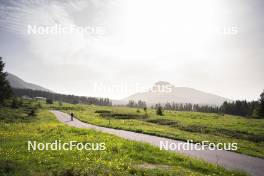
[14, 104]
[49, 101]
[102, 111]
[60, 103]
[109, 114]
[164, 122]
[159, 111]
[39, 105]
[31, 111]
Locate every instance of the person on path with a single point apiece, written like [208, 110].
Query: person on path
[72, 115]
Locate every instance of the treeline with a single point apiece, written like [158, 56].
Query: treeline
[138, 104]
[62, 97]
[242, 108]
[188, 107]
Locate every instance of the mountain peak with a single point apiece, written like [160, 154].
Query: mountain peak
[162, 83]
[162, 87]
[16, 82]
[163, 92]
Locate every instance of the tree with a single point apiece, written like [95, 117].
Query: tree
[146, 112]
[60, 103]
[131, 103]
[62, 97]
[32, 111]
[159, 111]
[49, 101]
[5, 89]
[260, 109]
[14, 103]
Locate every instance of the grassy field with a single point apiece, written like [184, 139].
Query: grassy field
[121, 157]
[248, 133]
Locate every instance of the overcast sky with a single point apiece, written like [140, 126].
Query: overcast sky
[211, 45]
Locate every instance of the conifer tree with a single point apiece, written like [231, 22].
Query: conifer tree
[5, 89]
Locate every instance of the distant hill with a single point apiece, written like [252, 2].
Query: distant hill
[16, 82]
[163, 92]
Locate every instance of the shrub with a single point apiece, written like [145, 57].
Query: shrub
[49, 101]
[39, 105]
[102, 111]
[109, 114]
[164, 122]
[159, 111]
[14, 103]
[31, 112]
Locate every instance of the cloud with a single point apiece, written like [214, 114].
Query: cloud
[17, 15]
[145, 41]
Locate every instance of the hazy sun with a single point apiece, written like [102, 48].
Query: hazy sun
[152, 28]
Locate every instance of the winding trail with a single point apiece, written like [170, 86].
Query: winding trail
[229, 160]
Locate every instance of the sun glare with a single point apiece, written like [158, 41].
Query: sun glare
[155, 27]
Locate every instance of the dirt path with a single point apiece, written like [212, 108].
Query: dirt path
[229, 160]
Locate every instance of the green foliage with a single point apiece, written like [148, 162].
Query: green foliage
[14, 103]
[62, 97]
[60, 103]
[196, 126]
[39, 105]
[159, 111]
[66, 107]
[8, 115]
[32, 112]
[260, 109]
[121, 157]
[102, 111]
[169, 122]
[9, 168]
[242, 108]
[109, 114]
[5, 89]
[138, 104]
[239, 107]
[146, 113]
[49, 101]
[19, 111]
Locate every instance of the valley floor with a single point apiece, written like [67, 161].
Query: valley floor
[230, 160]
[122, 157]
[248, 133]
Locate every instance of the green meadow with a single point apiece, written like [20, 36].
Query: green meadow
[248, 133]
[121, 157]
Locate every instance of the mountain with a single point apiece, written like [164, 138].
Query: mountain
[16, 82]
[163, 92]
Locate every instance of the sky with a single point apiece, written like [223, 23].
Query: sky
[211, 45]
